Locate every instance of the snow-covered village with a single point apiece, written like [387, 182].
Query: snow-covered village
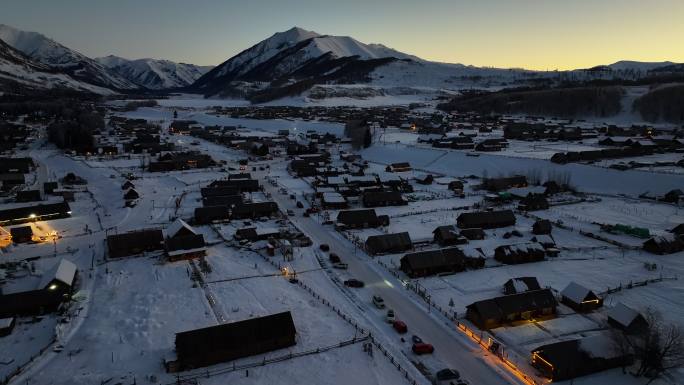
[313, 209]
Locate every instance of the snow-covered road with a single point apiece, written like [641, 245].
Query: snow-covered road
[450, 347]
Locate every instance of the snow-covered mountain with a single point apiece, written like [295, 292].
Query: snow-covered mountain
[298, 55]
[20, 73]
[154, 74]
[47, 51]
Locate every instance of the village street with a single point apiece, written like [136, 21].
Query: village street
[452, 348]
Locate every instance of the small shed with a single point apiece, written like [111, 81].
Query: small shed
[22, 234]
[49, 187]
[664, 244]
[580, 298]
[473, 234]
[520, 285]
[448, 235]
[127, 185]
[131, 194]
[569, 359]
[520, 253]
[28, 196]
[627, 319]
[542, 227]
[6, 326]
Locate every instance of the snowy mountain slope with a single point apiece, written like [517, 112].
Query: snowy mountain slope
[294, 56]
[154, 74]
[293, 61]
[262, 51]
[19, 72]
[47, 51]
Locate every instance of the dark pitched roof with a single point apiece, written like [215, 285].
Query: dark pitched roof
[209, 213]
[43, 212]
[222, 200]
[446, 232]
[374, 198]
[486, 219]
[357, 217]
[434, 258]
[21, 232]
[238, 184]
[185, 242]
[255, 209]
[388, 243]
[522, 284]
[134, 242]
[224, 342]
[499, 307]
[573, 358]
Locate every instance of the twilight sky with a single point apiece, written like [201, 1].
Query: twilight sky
[535, 34]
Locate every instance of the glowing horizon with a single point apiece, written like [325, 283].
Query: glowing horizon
[531, 34]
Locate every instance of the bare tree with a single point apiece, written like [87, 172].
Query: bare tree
[659, 348]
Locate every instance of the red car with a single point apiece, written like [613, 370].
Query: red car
[422, 348]
[400, 327]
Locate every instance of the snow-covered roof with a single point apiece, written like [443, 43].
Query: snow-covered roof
[177, 226]
[575, 292]
[333, 197]
[267, 230]
[6, 322]
[623, 314]
[63, 271]
[520, 285]
[173, 253]
[599, 346]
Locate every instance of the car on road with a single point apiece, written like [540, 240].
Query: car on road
[400, 326]
[334, 258]
[389, 317]
[300, 205]
[340, 265]
[378, 302]
[292, 196]
[422, 348]
[324, 247]
[354, 283]
[306, 214]
[290, 212]
[448, 377]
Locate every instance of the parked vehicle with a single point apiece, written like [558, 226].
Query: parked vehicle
[354, 283]
[306, 214]
[400, 326]
[416, 340]
[448, 377]
[300, 205]
[334, 258]
[292, 196]
[378, 302]
[422, 348]
[290, 212]
[340, 265]
[324, 247]
[389, 317]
